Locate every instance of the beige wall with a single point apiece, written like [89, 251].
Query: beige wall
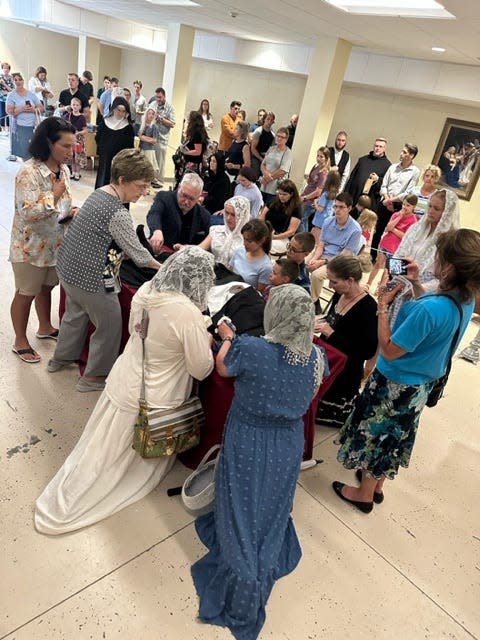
[365, 114]
[144, 66]
[279, 92]
[26, 48]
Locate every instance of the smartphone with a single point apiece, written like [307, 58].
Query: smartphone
[28, 103]
[397, 266]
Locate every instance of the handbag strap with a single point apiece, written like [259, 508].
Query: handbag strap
[142, 329]
[453, 345]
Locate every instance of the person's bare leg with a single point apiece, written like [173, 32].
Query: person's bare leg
[43, 306]
[363, 493]
[20, 312]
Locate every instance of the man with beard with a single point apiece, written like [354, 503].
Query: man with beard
[367, 175]
[340, 158]
[292, 130]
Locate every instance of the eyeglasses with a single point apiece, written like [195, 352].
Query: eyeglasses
[281, 135]
[340, 206]
[143, 186]
[291, 248]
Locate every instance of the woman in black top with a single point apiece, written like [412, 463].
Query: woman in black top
[195, 142]
[238, 154]
[216, 183]
[284, 214]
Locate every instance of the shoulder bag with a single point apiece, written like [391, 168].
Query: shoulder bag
[436, 391]
[165, 432]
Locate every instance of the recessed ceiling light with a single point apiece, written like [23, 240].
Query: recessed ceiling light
[407, 8]
[439, 49]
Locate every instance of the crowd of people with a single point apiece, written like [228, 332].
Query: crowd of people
[244, 219]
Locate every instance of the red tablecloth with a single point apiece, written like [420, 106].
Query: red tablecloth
[216, 393]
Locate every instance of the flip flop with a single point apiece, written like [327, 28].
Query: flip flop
[21, 353]
[46, 336]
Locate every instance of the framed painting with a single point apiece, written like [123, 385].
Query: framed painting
[458, 156]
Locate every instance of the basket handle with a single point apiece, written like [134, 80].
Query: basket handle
[207, 455]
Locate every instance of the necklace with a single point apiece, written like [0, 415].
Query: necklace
[342, 309]
[116, 192]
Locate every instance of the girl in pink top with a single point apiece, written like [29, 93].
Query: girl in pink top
[394, 232]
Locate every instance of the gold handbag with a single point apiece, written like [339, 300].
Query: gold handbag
[165, 432]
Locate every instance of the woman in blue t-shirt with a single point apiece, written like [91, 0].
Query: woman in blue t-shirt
[251, 261]
[23, 107]
[379, 435]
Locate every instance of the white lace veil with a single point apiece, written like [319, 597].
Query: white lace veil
[288, 320]
[234, 239]
[190, 271]
[419, 243]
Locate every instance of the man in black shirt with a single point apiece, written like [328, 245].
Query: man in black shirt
[292, 129]
[65, 97]
[176, 217]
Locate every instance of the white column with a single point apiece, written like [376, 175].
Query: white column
[324, 83]
[176, 76]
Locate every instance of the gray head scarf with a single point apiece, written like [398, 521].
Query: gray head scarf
[190, 271]
[288, 320]
[234, 238]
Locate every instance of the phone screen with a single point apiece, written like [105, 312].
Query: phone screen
[397, 266]
[28, 103]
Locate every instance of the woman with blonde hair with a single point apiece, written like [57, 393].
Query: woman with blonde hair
[428, 184]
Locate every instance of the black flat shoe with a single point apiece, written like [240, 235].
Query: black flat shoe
[364, 507]
[378, 496]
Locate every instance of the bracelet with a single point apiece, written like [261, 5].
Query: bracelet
[227, 339]
[382, 312]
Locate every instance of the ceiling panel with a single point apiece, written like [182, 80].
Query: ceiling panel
[286, 21]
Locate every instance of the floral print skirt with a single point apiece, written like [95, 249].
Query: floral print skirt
[380, 432]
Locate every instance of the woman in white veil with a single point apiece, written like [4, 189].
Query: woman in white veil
[103, 474]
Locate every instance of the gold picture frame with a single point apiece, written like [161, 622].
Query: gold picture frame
[458, 156]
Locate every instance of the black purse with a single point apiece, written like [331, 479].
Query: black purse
[439, 385]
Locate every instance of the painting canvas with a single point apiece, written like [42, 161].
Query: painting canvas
[458, 156]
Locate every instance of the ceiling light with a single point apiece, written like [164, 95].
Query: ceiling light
[405, 8]
[439, 49]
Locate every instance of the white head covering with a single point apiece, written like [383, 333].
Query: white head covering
[289, 319]
[419, 243]
[419, 240]
[234, 239]
[111, 121]
[190, 271]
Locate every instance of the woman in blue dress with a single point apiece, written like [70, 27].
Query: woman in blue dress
[379, 435]
[250, 534]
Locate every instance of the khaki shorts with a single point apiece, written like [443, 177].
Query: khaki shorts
[29, 279]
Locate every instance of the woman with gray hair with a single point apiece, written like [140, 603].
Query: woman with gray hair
[88, 264]
[250, 535]
[103, 474]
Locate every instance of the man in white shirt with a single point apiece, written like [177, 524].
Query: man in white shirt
[397, 183]
[165, 121]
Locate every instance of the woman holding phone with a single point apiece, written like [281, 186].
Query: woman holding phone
[22, 106]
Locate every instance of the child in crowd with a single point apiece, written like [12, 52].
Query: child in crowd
[285, 271]
[246, 187]
[300, 246]
[78, 120]
[148, 134]
[324, 204]
[394, 232]
[367, 220]
[364, 202]
[251, 261]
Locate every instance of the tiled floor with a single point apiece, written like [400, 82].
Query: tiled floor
[411, 569]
